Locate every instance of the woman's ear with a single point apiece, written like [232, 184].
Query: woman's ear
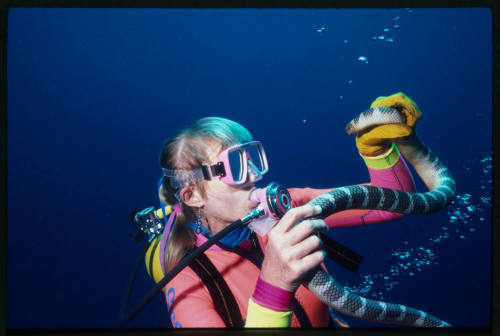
[191, 196]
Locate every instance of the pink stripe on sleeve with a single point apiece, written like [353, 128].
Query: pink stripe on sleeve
[272, 297]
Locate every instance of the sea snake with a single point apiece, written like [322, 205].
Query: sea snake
[441, 192]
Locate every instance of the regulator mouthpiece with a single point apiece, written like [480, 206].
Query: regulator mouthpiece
[275, 201]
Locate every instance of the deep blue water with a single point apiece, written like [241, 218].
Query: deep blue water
[93, 93]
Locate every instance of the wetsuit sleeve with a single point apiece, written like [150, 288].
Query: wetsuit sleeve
[388, 170]
[189, 303]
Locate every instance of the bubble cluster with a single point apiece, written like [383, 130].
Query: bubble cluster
[405, 263]
[466, 215]
[386, 34]
[387, 30]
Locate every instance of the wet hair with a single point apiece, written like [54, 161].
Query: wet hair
[188, 149]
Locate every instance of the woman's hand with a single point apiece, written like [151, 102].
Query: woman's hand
[404, 104]
[293, 248]
[377, 139]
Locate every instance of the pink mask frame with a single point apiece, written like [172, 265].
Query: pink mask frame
[221, 168]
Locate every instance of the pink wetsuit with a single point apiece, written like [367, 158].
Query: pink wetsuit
[189, 301]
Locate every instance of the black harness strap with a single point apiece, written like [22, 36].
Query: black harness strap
[224, 302]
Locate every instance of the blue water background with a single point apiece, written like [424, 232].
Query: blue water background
[93, 93]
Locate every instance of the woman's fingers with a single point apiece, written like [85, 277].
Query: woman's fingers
[303, 248]
[304, 229]
[291, 218]
[301, 266]
[313, 260]
[292, 248]
[294, 215]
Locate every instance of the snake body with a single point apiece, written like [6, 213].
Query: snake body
[441, 192]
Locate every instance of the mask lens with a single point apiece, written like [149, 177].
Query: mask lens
[236, 164]
[254, 153]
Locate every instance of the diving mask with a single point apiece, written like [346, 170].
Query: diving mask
[232, 167]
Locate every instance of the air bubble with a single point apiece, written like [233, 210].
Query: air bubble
[363, 59]
[485, 199]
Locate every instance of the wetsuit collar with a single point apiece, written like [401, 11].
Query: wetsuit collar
[232, 239]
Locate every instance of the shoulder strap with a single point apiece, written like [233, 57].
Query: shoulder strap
[222, 297]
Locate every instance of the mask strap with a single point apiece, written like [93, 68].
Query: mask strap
[166, 234]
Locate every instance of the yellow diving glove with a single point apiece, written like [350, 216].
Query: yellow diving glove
[377, 139]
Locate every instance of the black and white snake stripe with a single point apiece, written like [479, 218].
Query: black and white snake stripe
[441, 192]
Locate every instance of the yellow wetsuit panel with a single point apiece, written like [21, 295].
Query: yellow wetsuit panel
[261, 317]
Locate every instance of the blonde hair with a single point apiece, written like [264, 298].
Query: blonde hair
[188, 149]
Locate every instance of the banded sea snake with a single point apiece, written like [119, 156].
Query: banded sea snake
[441, 192]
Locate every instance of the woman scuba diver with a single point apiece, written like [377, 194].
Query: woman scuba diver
[259, 280]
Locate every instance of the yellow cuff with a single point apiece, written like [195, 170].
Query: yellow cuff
[261, 317]
[383, 161]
